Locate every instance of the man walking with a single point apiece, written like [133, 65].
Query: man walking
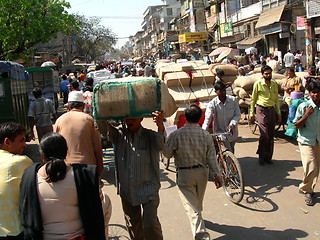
[12, 166]
[83, 138]
[225, 112]
[137, 155]
[288, 59]
[307, 121]
[265, 102]
[194, 154]
[39, 113]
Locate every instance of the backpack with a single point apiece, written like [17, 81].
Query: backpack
[291, 130]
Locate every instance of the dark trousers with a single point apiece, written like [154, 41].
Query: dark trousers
[266, 118]
[18, 237]
[145, 225]
[65, 97]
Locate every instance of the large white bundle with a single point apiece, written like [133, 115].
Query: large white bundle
[177, 78]
[132, 97]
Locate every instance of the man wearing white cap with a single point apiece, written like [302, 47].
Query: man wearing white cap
[83, 138]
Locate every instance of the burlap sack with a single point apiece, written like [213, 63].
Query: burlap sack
[229, 70]
[244, 103]
[229, 79]
[245, 82]
[131, 97]
[240, 92]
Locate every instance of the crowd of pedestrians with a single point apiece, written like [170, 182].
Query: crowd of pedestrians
[61, 197]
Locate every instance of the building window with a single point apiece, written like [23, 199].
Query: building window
[169, 12]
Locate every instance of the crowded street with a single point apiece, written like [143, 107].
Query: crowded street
[160, 120]
[271, 208]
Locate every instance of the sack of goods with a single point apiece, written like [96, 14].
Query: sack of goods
[131, 97]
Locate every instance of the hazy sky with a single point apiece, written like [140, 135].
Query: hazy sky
[123, 17]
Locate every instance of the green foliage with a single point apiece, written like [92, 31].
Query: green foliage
[93, 40]
[25, 23]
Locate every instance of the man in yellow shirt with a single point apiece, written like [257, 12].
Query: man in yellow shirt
[265, 101]
[12, 166]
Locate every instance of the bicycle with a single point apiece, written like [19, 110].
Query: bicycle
[230, 170]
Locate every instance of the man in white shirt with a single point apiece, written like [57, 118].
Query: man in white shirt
[225, 112]
[288, 59]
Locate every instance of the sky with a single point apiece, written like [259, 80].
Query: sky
[123, 17]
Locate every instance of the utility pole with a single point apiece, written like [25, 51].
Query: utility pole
[310, 41]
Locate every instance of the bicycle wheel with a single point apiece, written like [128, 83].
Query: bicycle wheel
[232, 177]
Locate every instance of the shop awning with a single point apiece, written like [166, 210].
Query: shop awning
[270, 16]
[249, 41]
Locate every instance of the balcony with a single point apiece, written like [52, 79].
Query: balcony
[247, 12]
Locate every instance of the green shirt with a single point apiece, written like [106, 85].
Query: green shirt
[309, 133]
[265, 96]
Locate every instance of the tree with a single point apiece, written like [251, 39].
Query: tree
[93, 40]
[25, 23]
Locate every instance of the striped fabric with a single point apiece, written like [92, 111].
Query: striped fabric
[11, 169]
[137, 163]
[191, 145]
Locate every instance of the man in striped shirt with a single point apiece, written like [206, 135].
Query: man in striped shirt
[137, 155]
[194, 154]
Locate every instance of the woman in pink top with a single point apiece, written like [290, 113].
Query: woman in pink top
[60, 202]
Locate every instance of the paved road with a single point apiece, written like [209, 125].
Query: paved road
[271, 208]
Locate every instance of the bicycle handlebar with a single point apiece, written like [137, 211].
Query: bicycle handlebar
[221, 134]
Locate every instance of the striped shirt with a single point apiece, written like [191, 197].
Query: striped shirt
[12, 167]
[137, 163]
[191, 145]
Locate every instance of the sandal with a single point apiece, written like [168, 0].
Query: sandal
[309, 199]
[313, 194]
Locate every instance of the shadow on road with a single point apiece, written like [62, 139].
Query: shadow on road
[263, 181]
[238, 232]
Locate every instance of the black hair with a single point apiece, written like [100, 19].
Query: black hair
[64, 77]
[251, 66]
[219, 86]
[37, 92]
[75, 84]
[73, 105]
[220, 72]
[291, 70]
[53, 147]
[10, 130]
[89, 81]
[265, 68]
[313, 85]
[193, 113]
[297, 60]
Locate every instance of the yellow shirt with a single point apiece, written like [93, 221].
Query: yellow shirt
[12, 167]
[265, 96]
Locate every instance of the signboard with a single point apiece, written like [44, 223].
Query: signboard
[301, 25]
[271, 29]
[192, 20]
[198, 4]
[211, 21]
[226, 28]
[213, 9]
[192, 37]
[317, 30]
[313, 8]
